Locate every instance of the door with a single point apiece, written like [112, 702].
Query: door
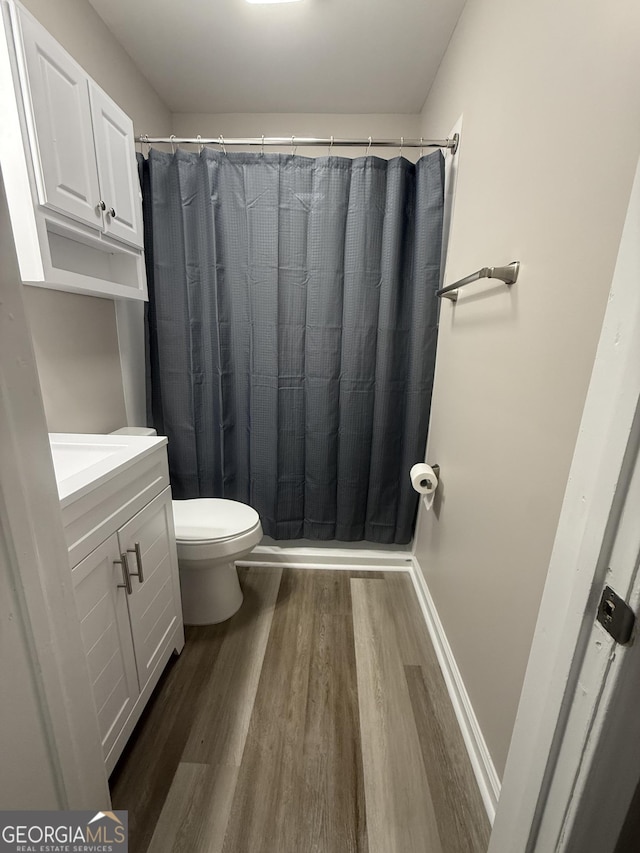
[60, 129]
[596, 766]
[106, 635]
[154, 605]
[117, 169]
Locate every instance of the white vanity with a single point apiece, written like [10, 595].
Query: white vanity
[116, 511]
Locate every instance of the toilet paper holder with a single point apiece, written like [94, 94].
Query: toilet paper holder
[436, 471]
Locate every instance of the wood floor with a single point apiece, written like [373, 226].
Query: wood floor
[316, 720]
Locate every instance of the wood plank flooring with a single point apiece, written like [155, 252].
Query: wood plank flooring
[316, 720]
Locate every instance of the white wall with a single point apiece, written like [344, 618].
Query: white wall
[72, 329]
[551, 131]
[76, 346]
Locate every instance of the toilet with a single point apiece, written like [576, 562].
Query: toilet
[211, 534]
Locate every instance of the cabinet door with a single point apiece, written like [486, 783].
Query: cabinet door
[117, 169]
[154, 607]
[106, 634]
[61, 132]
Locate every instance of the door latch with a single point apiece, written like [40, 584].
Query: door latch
[615, 616]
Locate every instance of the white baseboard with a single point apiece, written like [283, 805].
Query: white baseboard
[339, 559]
[485, 772]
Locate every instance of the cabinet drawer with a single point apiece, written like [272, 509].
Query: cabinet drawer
[154, 605]
[106, 636]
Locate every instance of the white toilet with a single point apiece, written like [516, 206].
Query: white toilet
[211, 534]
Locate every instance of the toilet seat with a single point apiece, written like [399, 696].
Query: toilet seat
[212, 519]
[210, 528]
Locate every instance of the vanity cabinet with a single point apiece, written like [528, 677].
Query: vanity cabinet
[124, 572]
[73, 187]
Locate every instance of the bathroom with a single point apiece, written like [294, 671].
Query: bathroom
[544, 98]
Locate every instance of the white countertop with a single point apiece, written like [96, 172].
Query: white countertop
[83, 462]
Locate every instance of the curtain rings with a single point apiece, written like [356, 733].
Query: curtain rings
[200, 145]
[368, 151]
[421, 147]
[330, 146]
[401, 144]
[172, 139]
[221, 144]
[145, 139]
[263, 144]
[293, 147]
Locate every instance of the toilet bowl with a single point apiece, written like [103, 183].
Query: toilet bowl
[211, 534]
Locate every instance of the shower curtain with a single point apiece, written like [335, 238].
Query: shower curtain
[292, 331]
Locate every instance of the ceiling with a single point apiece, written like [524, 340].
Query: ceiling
[317, 56]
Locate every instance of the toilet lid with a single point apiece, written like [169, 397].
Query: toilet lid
[207, 519]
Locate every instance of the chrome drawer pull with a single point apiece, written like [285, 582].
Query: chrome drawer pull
[137, 550]
[126, 575]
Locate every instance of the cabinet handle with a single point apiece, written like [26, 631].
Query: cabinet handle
[102, 205]
[126, 576]
[112, 213]
[138, 552]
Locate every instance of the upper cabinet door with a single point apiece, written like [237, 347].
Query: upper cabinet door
[56, 88]
[117, 168]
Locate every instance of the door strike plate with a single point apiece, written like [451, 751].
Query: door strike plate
[615, 616]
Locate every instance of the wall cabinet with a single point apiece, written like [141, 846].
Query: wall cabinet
[127, 592]
[74, 190]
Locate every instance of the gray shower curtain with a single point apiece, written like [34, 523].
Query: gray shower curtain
[292, 332]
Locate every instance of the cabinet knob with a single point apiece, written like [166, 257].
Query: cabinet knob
[112, 213]
[102, 205]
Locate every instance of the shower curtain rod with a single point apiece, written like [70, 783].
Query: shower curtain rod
[295, 141]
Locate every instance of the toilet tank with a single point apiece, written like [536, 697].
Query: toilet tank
[134, 431]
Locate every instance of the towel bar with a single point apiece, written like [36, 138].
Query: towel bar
[508, 274]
